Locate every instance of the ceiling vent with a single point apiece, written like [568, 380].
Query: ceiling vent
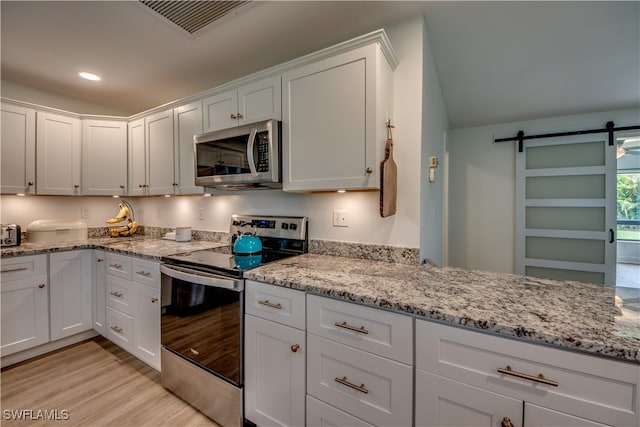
[192, 16]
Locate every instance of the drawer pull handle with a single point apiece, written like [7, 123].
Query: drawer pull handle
[117, 329]
[12, 270]
[118, 266]
[539, 379]
[99, 260]
[154, 300]
[143, 273]
[345, 325]
[295, 348]
[361, 388]
[506, 422]
[195, 352]
[117, 294]
[270, 304]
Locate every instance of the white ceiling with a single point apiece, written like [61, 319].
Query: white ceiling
[497, 61]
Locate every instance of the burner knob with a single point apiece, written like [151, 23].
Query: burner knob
[285, 226]
[293, 226]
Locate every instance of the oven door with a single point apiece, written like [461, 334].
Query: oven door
[201, 320]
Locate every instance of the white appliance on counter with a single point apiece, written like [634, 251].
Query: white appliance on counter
[56, 230]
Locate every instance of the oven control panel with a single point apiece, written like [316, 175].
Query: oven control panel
[288, 227]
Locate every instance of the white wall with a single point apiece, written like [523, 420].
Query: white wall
[366, 225]
[20, 92]
[482, 186]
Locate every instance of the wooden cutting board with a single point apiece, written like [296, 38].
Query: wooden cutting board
[388, 182]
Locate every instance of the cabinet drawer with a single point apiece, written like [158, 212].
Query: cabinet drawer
[118, 265]
[373, 330]
[370, 387]
[592, 387]
[281, 305]
[120, 329]
[319, 414]
[146, 272]
[120, 294]
[24, 267]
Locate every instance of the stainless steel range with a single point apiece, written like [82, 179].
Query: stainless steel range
[202, 314]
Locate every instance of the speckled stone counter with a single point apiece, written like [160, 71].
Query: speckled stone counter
[142, 246]
[565, 314]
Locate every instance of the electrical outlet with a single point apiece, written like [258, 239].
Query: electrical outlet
[84, 213]
[201, 213]
[340, 218]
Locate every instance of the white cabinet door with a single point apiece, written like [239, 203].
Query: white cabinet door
[220, 111]
[137, 159]
[70, 299]
[187, 122]
[274, 373]
[253, 102]
[333, 121]
[261, 100]
[146, 320]
[18, 142]
[24, 298]
[159, 141]
[58, 154]
[537, 416]
[104, 157]
[441, 402]
[99, 292]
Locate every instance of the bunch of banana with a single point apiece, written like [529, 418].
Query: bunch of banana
[125, 230]
[122, 214]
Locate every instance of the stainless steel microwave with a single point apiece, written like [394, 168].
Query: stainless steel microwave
[243, 157]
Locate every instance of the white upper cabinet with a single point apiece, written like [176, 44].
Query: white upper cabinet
[253, 102]
[187, 122]
[18, 142]
[151, 155]
[58, 154]
[104, 157]
[334, 114]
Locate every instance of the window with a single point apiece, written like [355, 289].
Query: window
[628, 206]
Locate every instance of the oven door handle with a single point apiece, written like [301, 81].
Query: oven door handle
[202, 278]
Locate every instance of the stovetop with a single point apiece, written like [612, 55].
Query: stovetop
[282, 237]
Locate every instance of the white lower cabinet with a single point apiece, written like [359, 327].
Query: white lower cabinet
[133, 306]
[24, 296]
[319, 414]
[442, 402]
[274, 356]
[359, 363]
[70, 281]
[99, 292]
[458, 368]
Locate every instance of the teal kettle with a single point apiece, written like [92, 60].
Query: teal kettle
[247, 244]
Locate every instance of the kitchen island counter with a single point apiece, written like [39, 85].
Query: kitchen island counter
[141, 246]
[565, 314]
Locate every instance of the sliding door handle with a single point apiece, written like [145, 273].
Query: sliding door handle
[612, 235]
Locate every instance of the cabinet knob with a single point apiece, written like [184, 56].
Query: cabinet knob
[122, 186]
[233, 116]
[369, 169]
[175, 184]
[140, 185]
[506, 422]
[154, 300]
[99, 260]
[41, 285]
[295, 348]
[30, 183]
[76, 186]
[239, 115]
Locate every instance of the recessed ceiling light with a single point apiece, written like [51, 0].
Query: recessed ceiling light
[89, 76]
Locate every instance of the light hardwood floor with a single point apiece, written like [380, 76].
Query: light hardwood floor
[98, 384]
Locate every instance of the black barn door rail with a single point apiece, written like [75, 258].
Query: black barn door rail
[609, 128]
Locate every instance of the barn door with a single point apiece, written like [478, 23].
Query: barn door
[566, 208]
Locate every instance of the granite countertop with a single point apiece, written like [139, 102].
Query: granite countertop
[144, 247]
[566, 314]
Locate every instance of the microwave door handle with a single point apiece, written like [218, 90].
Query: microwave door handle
[252, 141]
